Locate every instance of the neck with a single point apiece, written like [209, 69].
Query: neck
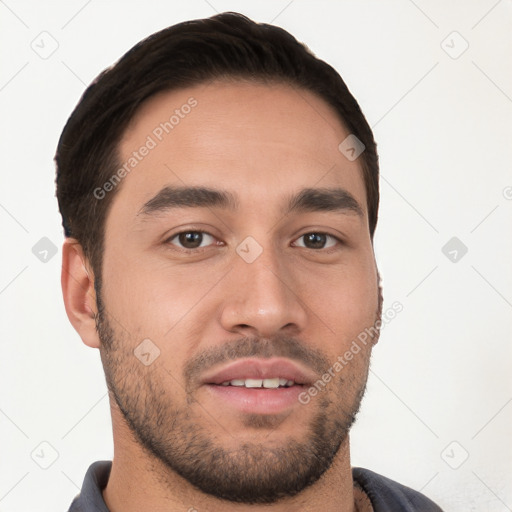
[139, 481]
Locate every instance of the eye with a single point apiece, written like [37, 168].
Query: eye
[317, 240]
[191, 239]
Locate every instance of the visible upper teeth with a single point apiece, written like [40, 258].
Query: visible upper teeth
[274, 382]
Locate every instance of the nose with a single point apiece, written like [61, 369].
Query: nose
[264, 298]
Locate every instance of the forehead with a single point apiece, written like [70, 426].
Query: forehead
[257, 140]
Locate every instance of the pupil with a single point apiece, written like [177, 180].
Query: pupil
[191, 239]
[317, 240]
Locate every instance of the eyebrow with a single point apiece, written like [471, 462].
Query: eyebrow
[306, 200]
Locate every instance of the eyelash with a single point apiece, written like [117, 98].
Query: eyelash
[199, 249]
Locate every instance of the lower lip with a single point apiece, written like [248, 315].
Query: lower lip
[257, 400]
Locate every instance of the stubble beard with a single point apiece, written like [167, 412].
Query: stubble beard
[250, 473]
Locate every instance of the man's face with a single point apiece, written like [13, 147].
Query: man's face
[251, 289]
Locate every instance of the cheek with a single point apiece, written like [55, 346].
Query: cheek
[154, 300]
[345, 300]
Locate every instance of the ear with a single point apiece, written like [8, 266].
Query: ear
[77, 280]
[380, 300]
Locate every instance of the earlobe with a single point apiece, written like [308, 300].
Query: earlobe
[77, 280]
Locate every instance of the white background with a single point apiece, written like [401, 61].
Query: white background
[441, 371]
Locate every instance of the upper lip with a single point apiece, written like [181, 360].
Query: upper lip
[260, 369]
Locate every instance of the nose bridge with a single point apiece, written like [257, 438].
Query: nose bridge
[267, 277]
[263, 298]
